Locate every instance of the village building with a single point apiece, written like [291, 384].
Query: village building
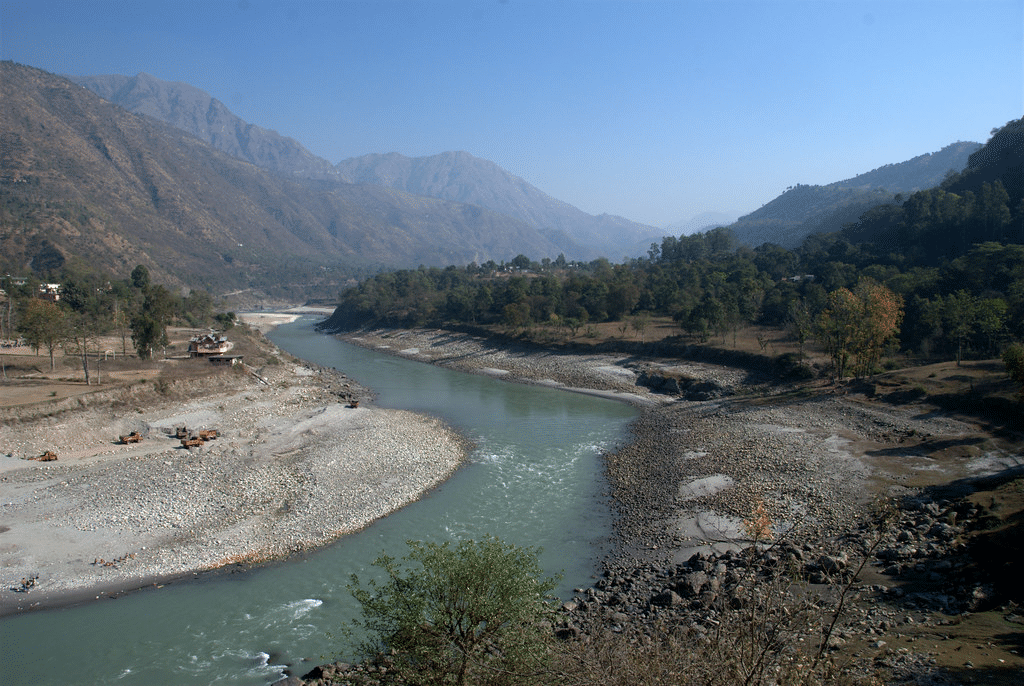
[49, 291]
[209, 344]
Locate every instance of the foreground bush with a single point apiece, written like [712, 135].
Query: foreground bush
[479, 613]
[473, 613]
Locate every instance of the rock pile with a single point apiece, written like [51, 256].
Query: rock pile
[682, 385]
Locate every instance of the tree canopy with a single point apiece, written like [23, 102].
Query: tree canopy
[947, 265]
[453, 614]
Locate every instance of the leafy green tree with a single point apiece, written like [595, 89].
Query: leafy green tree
[149, 325]
[197, 308]
[993, 211]
[140, 278]
[1013, 358]
[959, 315]
[225, 320]
[147, 333]
[992, 314]
[622, 298]
[483, 301]
[837, 328]
[574, 324]
[639, 324]
[42, 324]
[459, 614]
[856, 326]
[516, 315]
[11, 307]
[520, 262]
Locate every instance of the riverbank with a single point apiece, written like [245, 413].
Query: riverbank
[897, 514]
[816, 456]
[614, 376]
[294, 467]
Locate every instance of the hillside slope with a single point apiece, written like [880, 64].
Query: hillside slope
[450, 176]
[806, 209]
[208, 119]
[461, 177]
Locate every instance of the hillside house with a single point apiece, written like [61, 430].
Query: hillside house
[49, 291]
[209, 344]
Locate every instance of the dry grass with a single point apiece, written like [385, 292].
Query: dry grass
[26, 378]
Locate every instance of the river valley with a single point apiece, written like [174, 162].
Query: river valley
[534, 478]
[683, 478]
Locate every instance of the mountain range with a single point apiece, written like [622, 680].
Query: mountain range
[83, 179]
[701, 223]
[452, 176]
[460, 177]
[208, 119]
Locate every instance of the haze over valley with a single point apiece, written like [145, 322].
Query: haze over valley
[244, 207]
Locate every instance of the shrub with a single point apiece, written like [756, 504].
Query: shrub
[472, 613]
[1013, 358]
[792, 366]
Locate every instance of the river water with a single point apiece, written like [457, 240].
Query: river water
[534, 479]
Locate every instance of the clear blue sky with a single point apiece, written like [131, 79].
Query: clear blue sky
[652, 110]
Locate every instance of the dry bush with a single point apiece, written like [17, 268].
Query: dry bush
[767, 625]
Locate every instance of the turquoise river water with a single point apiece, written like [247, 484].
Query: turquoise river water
[533, 479]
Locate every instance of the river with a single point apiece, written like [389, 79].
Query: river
[533, 479]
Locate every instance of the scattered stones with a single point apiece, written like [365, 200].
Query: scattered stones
[27, 584]
[802, 461]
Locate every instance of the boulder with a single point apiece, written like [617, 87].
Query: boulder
[691, 584]
[667, 598]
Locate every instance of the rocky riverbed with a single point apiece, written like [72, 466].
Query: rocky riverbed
[715, 441]
[865, 529]
[295, 466]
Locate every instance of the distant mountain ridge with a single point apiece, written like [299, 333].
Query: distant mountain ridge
[806, 209]
[701, 223]
[452, 176]
[82, 179]
[461, 177]
[208, 119]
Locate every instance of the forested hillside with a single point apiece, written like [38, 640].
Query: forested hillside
[804, 209]
[940, 273]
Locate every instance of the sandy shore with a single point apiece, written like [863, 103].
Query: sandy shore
[264, 321]
[295, 467]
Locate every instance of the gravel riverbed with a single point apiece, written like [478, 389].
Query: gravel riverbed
[295, 466]
[848, 485]
[695, 469]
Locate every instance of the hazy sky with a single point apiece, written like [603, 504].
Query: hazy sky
[655, 111]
